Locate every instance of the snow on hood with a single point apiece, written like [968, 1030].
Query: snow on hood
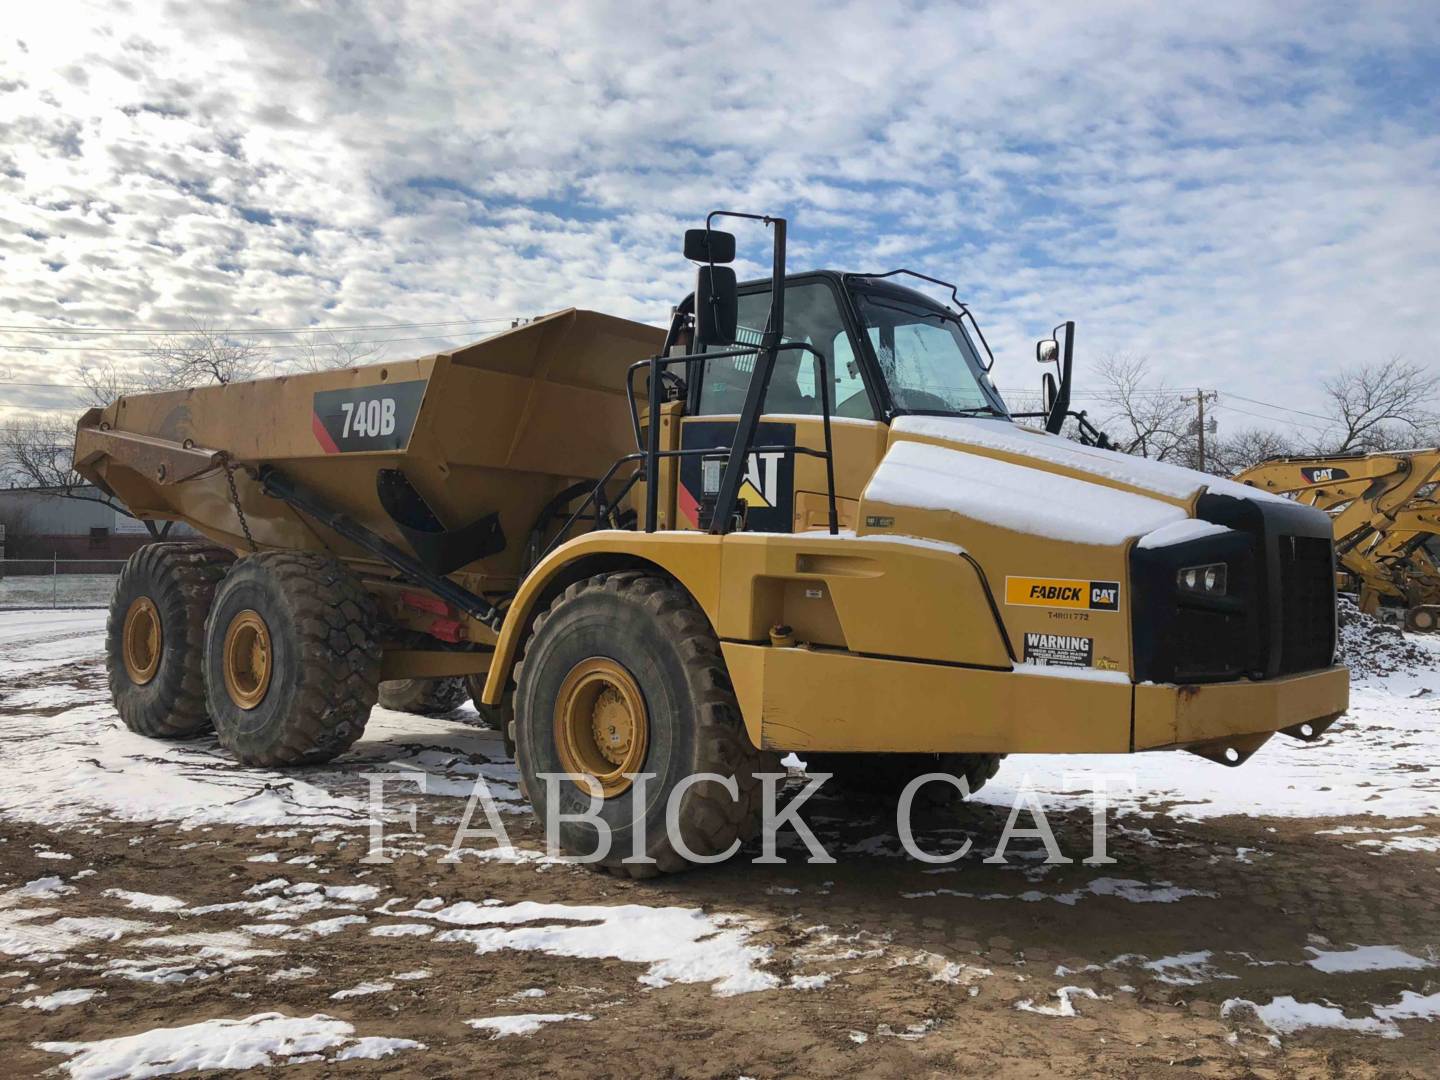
[1014, 497]
[1153, 477]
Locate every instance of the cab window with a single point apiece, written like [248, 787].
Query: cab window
[811, 316]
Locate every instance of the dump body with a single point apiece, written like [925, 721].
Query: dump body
[499, 427]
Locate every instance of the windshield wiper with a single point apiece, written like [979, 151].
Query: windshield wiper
[980, 409]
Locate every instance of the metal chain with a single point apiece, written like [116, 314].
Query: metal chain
[235, 499]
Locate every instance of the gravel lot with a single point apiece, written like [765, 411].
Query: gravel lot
[164, 909]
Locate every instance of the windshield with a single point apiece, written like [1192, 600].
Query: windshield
[926, 357]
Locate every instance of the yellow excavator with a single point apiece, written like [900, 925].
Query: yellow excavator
[1385, 510]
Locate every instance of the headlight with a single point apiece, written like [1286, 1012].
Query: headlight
[1207, 580]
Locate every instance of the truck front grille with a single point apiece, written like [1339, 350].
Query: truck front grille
[1307, 603]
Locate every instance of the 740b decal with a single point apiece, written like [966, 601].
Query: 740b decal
[367, 417]
[1063, 593]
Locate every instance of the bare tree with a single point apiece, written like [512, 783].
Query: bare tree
[201, 356]
[1151, 421]
[1381, 406]
[1247, 447]
[37, 453]
[326, 352]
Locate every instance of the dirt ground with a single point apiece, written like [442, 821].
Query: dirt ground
[884, 966]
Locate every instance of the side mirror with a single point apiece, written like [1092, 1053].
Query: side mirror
[717, 305]
[1049, 391]
[709, 246]
[1047, 350]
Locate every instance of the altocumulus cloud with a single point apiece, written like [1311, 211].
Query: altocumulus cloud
[1248, 193]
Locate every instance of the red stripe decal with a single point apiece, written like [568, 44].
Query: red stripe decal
[321, 435]
[688, 506]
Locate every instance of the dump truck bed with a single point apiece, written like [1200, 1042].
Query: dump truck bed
[412, 449]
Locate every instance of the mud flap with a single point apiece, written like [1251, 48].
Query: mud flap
[441, 550]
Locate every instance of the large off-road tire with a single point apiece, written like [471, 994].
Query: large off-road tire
[1423, 618]
[292, 659]
[631, 659]
[155, 637]
[500, 717]
[426, 697]
[884, 776]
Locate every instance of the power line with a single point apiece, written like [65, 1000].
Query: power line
[238, 331]
[287, 345]
[1272, 419]
[1268, 405]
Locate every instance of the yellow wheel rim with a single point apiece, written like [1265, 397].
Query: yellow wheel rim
[248, 659]
[601, 727]
[142, 640]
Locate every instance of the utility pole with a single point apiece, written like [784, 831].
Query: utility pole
[1201, 396]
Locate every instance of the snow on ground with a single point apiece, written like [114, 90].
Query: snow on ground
[1382, 759]
[57, 590]
[678, 944]
[522, 1023]
[259, 1041]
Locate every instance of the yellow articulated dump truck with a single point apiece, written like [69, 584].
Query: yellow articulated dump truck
[1385, 512]
[800, 519]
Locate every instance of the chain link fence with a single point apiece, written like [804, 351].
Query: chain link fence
[57, 583]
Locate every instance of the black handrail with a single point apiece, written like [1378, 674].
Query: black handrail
[652, 453]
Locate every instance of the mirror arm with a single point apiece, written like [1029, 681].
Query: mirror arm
[1056, 420]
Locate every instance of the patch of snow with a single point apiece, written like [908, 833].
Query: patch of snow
[522, 1023]
[1365, 958]
[363, 989]
[809, 982]
[678, 944]
[1144, 474]
[1395, 736]
[1180, 532]
[1411, 1006]
[1014, 497]
[1136, 892]
[401, 930]
[305, 971]
[146, 901]
[60, 999]
[1066, 1006]
[1286, 1015]
[261, 1041]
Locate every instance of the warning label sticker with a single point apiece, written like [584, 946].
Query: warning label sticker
[1059, 650]
[1063, 593]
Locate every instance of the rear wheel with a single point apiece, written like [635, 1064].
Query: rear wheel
[623, 674]
[292, 660]
[155, 637]
[884, 776]
[427, 697]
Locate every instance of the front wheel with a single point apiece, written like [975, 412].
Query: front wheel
[292, 659]
[623, 675]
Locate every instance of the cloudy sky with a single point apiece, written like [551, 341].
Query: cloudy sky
[1247, 194]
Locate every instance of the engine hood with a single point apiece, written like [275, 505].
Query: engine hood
[1000, 440]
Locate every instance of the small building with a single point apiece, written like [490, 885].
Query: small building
[56, 523]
